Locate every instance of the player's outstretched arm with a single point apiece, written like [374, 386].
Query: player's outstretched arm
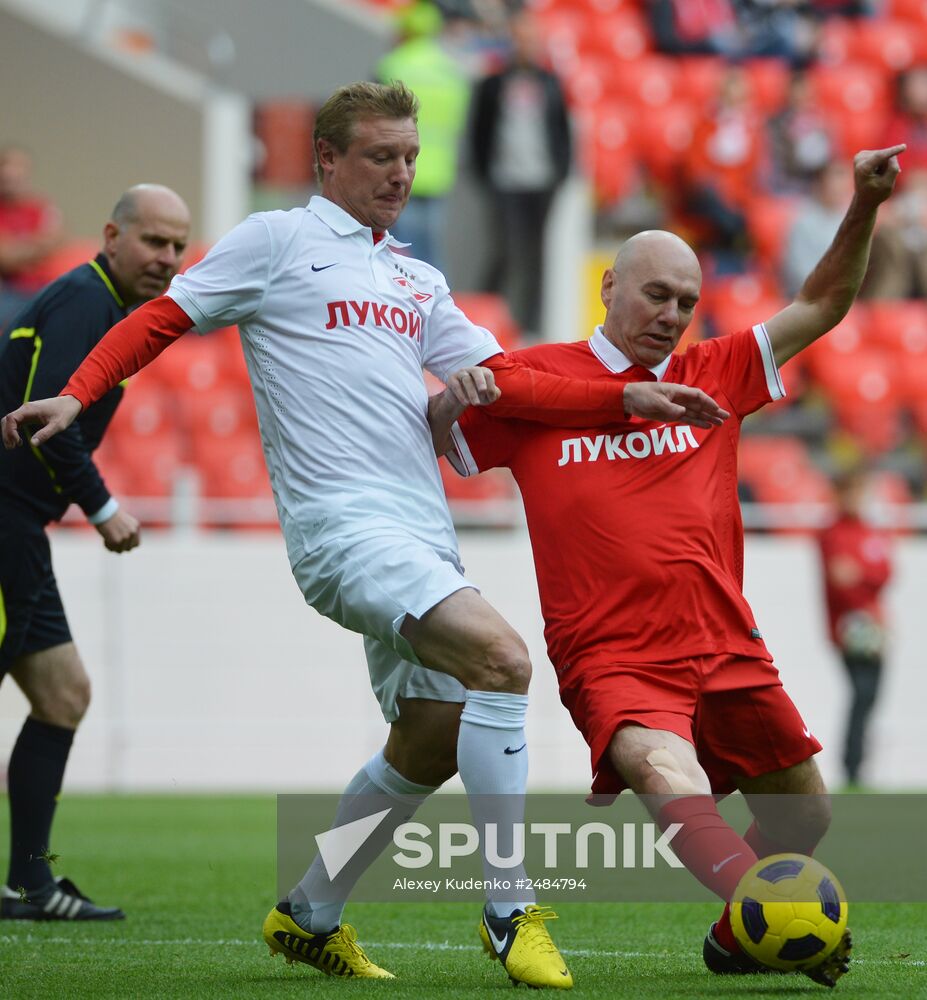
[829, 291]
[672, 403]
[475, 386]
[50, 415]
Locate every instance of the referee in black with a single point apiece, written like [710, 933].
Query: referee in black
[143, 243]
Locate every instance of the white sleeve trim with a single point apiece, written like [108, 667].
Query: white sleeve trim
[105, 512]
[460, 456]
[773, 379]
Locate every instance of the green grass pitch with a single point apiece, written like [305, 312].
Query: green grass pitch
[196, 878]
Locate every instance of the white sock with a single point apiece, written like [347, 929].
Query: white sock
[492, 758]
[317, 902]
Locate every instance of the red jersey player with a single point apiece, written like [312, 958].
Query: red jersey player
[856, 564]
[658, 656]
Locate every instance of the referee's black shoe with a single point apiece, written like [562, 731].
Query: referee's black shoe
[58, 900]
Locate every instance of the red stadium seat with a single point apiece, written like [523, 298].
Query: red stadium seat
[221, 412]
[608, 152]
[234, 467]
[622, 35]
[769, 83]
[780, 470]
[663, 140]
[769, 219]
[146, 410]
[492, 312]
[67, 257]
[898, 327]
[852, 87]
[847, 338]
[741, 302]
[648, 83]
[142, 466]
[191, 363]
[700, 78]
[888, 45]
[586, 83]
[862, 387]
[914, 11]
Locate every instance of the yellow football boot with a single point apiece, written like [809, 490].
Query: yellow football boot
[523, 945]
[336, 953]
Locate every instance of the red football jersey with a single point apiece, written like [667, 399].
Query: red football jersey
[635, 527]
[857, 565]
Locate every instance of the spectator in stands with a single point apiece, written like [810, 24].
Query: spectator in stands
[909, 119]
[736, 29]
[721, 172]
[422, 63]
[815, 223]
[142, 246]
[801, 140]
[856, 565]
[521, 153]
[898, 262]
[30, 229]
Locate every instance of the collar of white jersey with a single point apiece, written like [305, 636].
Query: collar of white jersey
[615, 360]
[341, 222]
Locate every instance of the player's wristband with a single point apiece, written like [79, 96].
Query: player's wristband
[105, 512]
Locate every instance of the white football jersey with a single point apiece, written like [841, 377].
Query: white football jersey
[336, 331]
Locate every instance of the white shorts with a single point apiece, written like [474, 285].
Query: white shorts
[369, 585]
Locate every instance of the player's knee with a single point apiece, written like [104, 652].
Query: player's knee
[505, 665]
[661, 771]
[66, 703]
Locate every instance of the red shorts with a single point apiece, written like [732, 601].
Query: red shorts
[732, 709]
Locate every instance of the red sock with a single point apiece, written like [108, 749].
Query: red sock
[724, 933]
[706, 845]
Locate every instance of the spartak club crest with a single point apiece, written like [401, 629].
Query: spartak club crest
[413, 291]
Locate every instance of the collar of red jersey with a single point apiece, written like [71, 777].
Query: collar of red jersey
[341, 222]
[615, 360]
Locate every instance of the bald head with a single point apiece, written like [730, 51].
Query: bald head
[650, 293]
[145, 239]
[145, 197]
[655, 249]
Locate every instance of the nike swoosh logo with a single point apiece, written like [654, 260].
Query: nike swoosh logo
[324, 267]
[510, 750]
[807, 733]
[496, 943]
[716, 868]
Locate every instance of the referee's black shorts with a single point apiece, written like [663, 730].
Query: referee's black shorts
[31, 613]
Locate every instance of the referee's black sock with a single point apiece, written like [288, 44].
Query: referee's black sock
[34, 777]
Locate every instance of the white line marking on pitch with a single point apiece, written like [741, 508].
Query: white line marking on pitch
[12, 939]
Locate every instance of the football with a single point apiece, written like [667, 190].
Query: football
[789, 912]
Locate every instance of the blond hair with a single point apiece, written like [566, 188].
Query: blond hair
[355, 102]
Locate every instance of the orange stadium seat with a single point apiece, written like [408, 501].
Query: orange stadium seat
[847, 338]
[147, 410]
[586, 83]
